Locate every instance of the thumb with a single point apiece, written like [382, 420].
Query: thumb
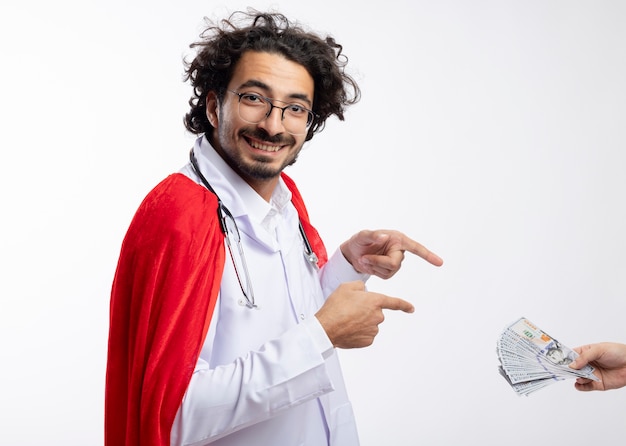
[577, 363]
[585, 355]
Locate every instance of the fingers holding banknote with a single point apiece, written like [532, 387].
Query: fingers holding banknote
[530, 359]
[609, 361]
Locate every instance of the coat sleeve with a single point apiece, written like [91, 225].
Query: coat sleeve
[163, 295]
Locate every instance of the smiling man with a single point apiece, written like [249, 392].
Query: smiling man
[225, 308]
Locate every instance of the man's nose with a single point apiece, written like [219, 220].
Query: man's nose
[273, 122]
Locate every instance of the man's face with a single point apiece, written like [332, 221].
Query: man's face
[259, 152]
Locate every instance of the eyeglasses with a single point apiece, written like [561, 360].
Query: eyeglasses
[254, 108]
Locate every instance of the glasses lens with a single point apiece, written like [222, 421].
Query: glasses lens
[253, 108]
[296, 119]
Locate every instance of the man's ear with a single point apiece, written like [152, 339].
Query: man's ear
[212, 108]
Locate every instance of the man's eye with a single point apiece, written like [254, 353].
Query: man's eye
[252, 98]
[296, 109]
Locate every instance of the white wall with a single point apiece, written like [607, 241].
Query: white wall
[491, 131]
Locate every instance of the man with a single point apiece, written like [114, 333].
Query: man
[225, 309]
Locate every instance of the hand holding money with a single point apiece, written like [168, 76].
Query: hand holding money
[530, 359]
[609, 359]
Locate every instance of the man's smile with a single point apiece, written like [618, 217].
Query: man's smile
[264, 146]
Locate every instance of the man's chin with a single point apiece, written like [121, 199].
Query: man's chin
[261, 170]
[264, 168]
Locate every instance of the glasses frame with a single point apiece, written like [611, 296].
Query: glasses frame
[312, 115]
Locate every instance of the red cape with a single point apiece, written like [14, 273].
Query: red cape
[163, 295]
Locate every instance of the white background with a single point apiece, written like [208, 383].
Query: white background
[491, 131]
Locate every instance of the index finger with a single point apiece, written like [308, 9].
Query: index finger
[420, 250]
[395, 303]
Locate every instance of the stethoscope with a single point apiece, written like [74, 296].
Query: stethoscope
[229, 228]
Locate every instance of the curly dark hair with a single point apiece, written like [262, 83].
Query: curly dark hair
[221, 47]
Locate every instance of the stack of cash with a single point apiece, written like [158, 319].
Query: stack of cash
[530, 359]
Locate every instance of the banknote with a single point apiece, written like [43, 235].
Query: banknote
[530, 359]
